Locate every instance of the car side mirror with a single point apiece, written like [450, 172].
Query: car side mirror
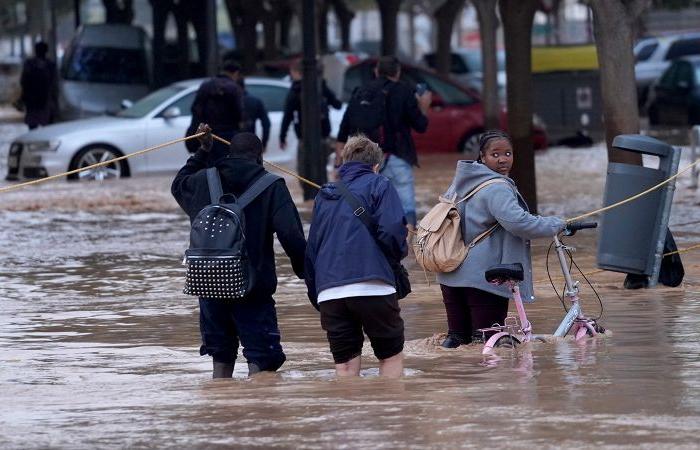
[126, 103]
[171, 113]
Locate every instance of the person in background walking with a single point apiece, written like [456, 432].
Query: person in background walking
[348, 267]
[404, 111]
[292, 113]
[254, 110]
[218, 103]
[470, 301]
[39, 88]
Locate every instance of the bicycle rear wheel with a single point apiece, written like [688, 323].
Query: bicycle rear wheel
[507, 342]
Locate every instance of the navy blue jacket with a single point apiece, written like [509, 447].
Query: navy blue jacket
[340, 248]
[253, 110]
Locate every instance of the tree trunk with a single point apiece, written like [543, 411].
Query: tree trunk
[183, 42]
[344, 16]
[322, 15]
[160, 16]
[269, 20]
[517, 16]
[389, 11]
[445, 17]
[119, 12]
[488, 25]
[244, 15]
[614, 32]
[286, 12]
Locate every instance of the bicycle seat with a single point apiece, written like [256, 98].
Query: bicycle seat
[500, 273]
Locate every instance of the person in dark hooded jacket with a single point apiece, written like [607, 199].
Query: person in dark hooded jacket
[348, 270]
[252, 320]
[292, 114]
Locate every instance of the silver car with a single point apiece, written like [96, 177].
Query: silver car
[161, 116]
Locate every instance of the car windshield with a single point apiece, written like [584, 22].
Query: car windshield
[106, 65]
[149, 102]
[474, 61]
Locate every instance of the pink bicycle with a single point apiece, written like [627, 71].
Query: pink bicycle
[517, 330]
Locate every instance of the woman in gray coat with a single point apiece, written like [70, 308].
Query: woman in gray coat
[470, 301]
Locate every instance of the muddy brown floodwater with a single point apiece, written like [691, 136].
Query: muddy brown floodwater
[99, 347]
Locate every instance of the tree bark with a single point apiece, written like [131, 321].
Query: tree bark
[286, 13]
[322, 21]
[517, 16]
[488, 25]
[614, 31]
[160, 10]
[119, 12]
[344, 16]
[389, 12]
[269, 20]
[244, 16]
[445, 17]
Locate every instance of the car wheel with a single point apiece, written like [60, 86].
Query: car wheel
[96, 154]
[470, 145]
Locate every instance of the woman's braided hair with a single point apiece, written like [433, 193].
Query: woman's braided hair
[488, 136]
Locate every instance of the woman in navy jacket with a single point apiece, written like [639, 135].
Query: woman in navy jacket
[347, 269]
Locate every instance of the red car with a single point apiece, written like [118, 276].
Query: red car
[455, 117]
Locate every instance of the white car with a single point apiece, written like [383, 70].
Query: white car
[161, 116]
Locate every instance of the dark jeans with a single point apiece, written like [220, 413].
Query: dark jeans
[469, 309]
[253, 323]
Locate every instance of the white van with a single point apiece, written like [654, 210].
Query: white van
[104, 65]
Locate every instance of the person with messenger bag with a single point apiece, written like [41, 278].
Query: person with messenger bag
[352, 267]
[497, 226]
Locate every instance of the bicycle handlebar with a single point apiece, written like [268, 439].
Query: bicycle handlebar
[573, 227]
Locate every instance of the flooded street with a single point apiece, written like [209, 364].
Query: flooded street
[99, 348]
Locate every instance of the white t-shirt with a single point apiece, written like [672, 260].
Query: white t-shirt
[363, 289]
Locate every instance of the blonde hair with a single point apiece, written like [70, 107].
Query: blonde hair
[362, 149]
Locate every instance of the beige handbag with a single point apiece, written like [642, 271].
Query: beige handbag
[439, 246]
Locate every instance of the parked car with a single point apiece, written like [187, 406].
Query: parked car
[654, 55]
[104, 65]
[466, 68]
[676, 96]
[455, 118]
[159, 117]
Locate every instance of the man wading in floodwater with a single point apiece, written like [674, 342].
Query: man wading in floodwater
[251, 320]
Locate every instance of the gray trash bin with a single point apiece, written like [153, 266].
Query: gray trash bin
[632, 236]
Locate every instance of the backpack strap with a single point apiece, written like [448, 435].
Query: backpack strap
[256, 189]
[214, 181]
[480, 187]
[493, 227]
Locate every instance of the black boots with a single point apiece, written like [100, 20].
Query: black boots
[222, 370]
[253, 369]
[454, 340]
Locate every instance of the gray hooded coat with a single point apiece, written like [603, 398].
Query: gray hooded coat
[509, 243]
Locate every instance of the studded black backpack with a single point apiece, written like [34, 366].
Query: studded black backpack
[217, 260]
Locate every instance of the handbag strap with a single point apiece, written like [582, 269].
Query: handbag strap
[214, 181]
[358, 209]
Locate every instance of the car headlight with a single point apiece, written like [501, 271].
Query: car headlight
[42, 146]
[538, 122]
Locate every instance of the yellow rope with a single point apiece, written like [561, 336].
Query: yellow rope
[99, 164]
[635, 197]
[594, 272]
[280, 168]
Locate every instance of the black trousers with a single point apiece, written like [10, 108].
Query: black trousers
[469, 309]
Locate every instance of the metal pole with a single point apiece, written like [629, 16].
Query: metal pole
[310, 105]
[76, 9]
[694, 142]
[212, 56]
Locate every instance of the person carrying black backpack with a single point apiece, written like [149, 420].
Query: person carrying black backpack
[386, 110]
[251, 320]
